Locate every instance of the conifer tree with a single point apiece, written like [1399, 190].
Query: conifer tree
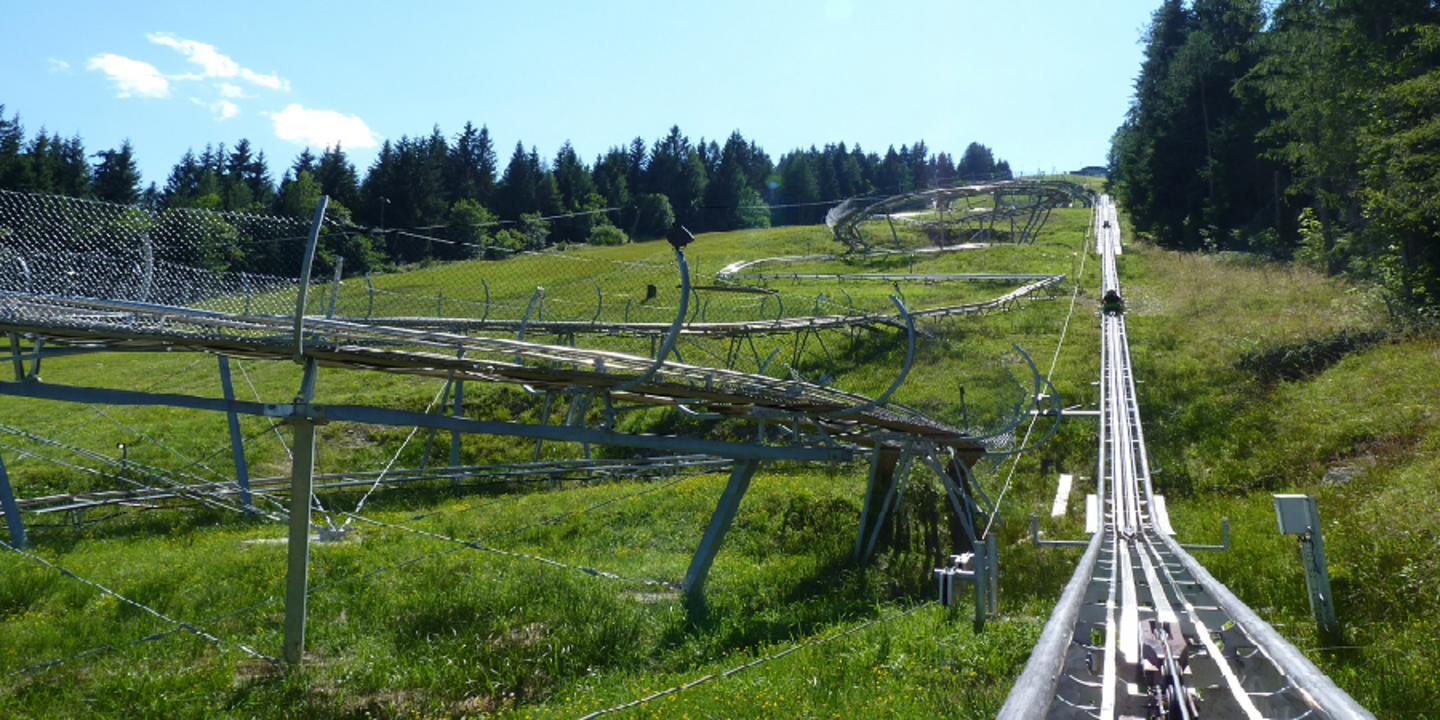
[117, 177]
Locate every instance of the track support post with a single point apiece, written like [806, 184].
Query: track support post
[1298, 516]
[302, 484]
[457, 409]
[720, 521]
[237, 443]
[12, 510]
[302, 477]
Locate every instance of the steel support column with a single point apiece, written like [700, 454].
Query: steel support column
[725, 510]
[15, 353]
[302, 481]
[302, 476]
[12, 510]
[237, 444]
[877, 495]
[457, 409]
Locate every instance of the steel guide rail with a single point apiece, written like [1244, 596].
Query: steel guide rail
[1142, 630]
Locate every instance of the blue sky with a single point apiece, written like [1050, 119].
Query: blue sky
[1044, 84]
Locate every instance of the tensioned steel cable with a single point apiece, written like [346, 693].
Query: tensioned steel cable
[150, 388]
[155, 473]
[273, 425]
[378, 478]
[1054, 361]
[755, 663]
[460, 547]
[479, 543]
[179, 624]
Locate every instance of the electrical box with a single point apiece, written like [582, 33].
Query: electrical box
[1295, 513]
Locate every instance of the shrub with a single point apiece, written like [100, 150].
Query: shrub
[607, 235]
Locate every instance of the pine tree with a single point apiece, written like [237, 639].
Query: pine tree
[977, 164]
[799, 189]
[921, 174]
[12, 165]
[70, 167]
[517, 190]
[304, 162]
[723, 195]
[676, 171]
[183, 185]
[337, 177]
[470, 168]
[893, 177]
[117, 177]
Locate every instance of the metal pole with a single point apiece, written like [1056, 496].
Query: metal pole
[992, 554]
[36, 345]
[869, 495]
[15, 351]
[335, 285]
[370, 292]
[1299, 516]
[12, 510]
[302, 478]
[720, 521]
[237, 445]
[456, 410]
[982, 584]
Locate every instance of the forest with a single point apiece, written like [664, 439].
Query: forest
[1301, 129]
[457, 201]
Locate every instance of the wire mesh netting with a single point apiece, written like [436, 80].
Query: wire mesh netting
[822, 334]
[230, 262]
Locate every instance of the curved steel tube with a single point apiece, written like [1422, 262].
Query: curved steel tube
[904, 370]
[1041, 383]
[305, 267]
[668, 343]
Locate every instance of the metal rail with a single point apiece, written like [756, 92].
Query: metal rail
[1142, 631]
[1031, 200]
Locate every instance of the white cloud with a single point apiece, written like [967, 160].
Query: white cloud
[59, 66]
[213, 64]
[223, 109]
[272, 81]
[234, 92]
[322, 128]
[132, 78]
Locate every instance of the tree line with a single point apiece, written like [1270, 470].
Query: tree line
[1298, 128]
[455, 198]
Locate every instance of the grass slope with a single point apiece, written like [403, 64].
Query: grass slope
[404, 624]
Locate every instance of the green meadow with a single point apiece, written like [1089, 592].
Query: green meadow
[482, 600]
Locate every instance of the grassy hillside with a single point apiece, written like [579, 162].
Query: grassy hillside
[1249, 388]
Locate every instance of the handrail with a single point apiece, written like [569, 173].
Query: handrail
[1302, 673]
[1034, 691]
